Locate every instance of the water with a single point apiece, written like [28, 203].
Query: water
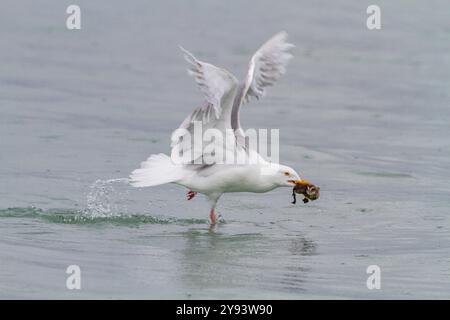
[363, 114]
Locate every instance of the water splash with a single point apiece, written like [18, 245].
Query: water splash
[107, 201]
[106, 198]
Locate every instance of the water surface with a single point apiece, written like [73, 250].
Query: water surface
[363, 114]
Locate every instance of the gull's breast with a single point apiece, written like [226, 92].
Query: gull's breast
[228, 178]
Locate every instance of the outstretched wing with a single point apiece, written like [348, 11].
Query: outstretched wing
[267, 65]
[219, 88]
[215, 83]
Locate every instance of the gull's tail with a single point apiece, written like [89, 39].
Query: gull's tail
[157, 169]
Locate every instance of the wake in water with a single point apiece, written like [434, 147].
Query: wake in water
[73, 216]
[108, 201]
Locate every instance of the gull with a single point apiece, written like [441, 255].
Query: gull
[224, 96]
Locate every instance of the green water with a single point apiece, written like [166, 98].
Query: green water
[67, 216]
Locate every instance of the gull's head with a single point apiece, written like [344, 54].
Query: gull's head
[287, 177]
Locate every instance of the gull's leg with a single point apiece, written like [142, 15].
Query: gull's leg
[191, 194]
[213, 201]
[212, 217]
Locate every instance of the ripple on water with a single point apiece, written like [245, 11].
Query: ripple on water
[385, 174]
[74, 216]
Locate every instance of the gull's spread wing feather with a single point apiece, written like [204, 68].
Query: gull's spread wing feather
[219, 88]
[267, 65]
[215, 83]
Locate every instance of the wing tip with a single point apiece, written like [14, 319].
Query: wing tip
[183, 49]
[189, 57]
[282, 37]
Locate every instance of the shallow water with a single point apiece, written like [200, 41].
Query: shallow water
[363, 114]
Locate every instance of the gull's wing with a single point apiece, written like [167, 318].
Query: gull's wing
[219, 88]
[215, 83]
[267, 65]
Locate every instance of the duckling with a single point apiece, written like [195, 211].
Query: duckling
[310, 192]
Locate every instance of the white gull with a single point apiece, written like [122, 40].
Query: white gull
[224, 96]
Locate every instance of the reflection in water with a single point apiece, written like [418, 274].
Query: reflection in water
[246, 261]
[294, 273]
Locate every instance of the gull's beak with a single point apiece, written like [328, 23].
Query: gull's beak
[300, 181]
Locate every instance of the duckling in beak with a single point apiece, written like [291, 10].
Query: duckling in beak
[307, 189]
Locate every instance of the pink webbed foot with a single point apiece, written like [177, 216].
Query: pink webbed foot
[191, 194]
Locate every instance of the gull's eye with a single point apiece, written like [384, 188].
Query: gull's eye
[287, 173]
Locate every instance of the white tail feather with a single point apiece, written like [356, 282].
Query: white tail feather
[157, 169]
